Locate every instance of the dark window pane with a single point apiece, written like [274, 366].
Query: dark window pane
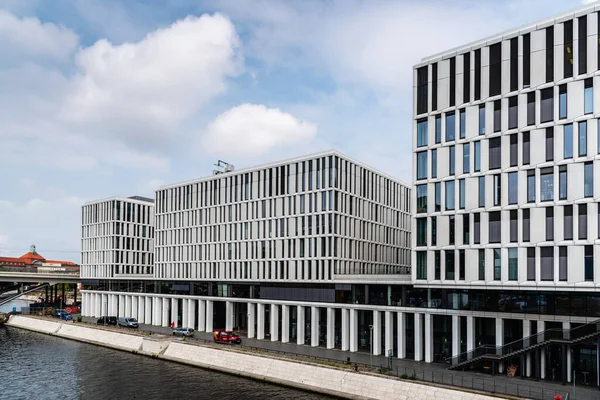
[568, 141]
[513, 112]
[549, 144]
[526, 60]
[481, 191]
[452, 81]
[582, 220]
[497, 264]
[422, 90]
[421, 231]
[550, 54]
[514, 226]
[466, 77]
[422, 165]
[421, 265]
[513, 188]
[450, 127]
[482, 119]
[477, 161]
[451, 160]
[547, 184]
[476, 228]
[434, 231]
[462, 124]
[422, 132]
[495, 227]
[451, 229]
[588, 179]
[466, 229]
[449, 255]
[562, 102]
[531, 186]
[589, 263]
[562, 263]
[582, 139]
[526, 148]
[421, 198]
[547, 105]
[549, 223]
[514, 150]
[438, 129]
[531, 263]
[568, 49]
[466, 158]
[450, 195]
[568, 222]
[514, 64]
[495, 153]
[562, 182]
[481, 265]
[513, 264]
[582, 27]
[497, 116]
[434, 82]
[477, 74]
[526, 225]
[495, 69]
[547, 263]
[434, 163]
[437, 265]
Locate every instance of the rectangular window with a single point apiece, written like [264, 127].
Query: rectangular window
[530, 108]
[422, 132]
[497, 189]
[450, 195]
[568, 141]
[497, 116]
[547, 105]
[547, 184]
[497, 264]
[495, 153]
[481, 180]
[588, 96]
[531, 186]
[482, 119]
[526, 225]
[477, 161]
[514, 226]
[438, 129]
[422, 90]
[422, 165]
[582, 25]
[589, 263]
[583, 139]
[434, 163]
[451, 160]
[514, 150]
[466, 229]
[461, 265]
[562, 182]
[549, 54]
[513, 187]
[463, 123]
[421, 265]
[434, 231]
[495, 227]
[513, 264]
[466, 77]
[495, 69]
[481, 274]
[562, 263]
[461, 194]
[588, 179]
[568, 222]
[568, 49]
[526, 148]
[451, 229]
[434, 83]
[526, 60]
[562, 102]
[531, 263]
[514, 64]
[421, 198]
[582, 219]
[513, 112]
[477, 74]
[450, 127]
[547, 263]
[438, 196]
[449, 264]
[421, 231]
[466, 158]
[452, 81]
[437, 266]
[476, 228]
[550, 223]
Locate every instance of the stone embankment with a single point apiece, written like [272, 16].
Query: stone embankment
[332, 381]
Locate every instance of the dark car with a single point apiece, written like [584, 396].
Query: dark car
[128, 322]
[65, 315]
[107, 321]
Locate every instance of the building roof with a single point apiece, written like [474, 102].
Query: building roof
[30, 257]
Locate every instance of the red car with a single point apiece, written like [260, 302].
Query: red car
[223, 336]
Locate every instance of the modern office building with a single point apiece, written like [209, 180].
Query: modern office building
[506, 145]
[314, 250]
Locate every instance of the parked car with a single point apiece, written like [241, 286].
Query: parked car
[107, 321]
[223, 336]
[65, 315]
[128, 322]
[186, 332]
[56, 312]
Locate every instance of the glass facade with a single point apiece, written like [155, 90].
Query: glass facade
[422, 133]
[450, 127]
[568, 141]
[422, 165]
[450, 196]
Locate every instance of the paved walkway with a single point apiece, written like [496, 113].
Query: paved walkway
[430, 372]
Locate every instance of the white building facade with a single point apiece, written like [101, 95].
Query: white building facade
[506, 215]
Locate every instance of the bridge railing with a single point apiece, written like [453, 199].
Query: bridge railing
[42, 270]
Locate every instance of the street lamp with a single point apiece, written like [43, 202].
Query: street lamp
[371, 329]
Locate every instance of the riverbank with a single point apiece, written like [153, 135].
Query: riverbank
[320, 379]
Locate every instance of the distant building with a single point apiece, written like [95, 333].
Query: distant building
[33, 259]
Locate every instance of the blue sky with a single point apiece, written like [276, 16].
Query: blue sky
[117, 98]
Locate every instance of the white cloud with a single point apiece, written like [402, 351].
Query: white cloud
[253, 130]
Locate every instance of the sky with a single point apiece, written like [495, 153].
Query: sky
[116, 98]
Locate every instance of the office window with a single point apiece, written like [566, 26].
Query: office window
[422, 165]
[450, 127]
[421, 198]
[495, 69]
[549, 144]
[434, 231]
[477, 161]
[421, 265]
[449, 264]
[514, 226]
[434, 163]
[588, 179]
[530, 108]
[562, 263]
[495, 153]
[568, 49]
[582, 37]
[568, 141]
[461, 265]
[589, 263]
[421, 231]
[497, 189]
[466, 77]
[568, 222]
[452, 81]
[547, 184]
[422, 132]
[451, 229]
[562, 182]
[547, 263]
[513, 112]
[514, 150]
[461, 194]
[526, 60]
[547, 105]
[513, 188]
[526, 148]
[531, 263]
[476, 228]
[582, 219]
[438, 196]
[438, 129]
[481, 192]
[495, 225]
[434, 82]
[466, 158]
[549, 223]
[481, 274]
[450, 195]
[477, 74]
[482, 119]
[588, 96]
[513, 264]
[466, 229]
[562, 102]
[451, 160]
[582, 138]
[550, 54]
[514, 64]
[437, 265]
[531, 186]
[462, 123]
[497, 264]
[422, 90]
[526, 225]
[497, 116]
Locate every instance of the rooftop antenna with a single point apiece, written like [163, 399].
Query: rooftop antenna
[222, 167]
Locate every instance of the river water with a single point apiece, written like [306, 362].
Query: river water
[37, 366]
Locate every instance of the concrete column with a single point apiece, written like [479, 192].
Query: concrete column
[99, 305]
[314, 326]
[128, 306]
[455, 335]
[104, 304]
[141, 316]
[566, 333]
[147, 310]
[541, 326]
[428, 337]
[113, 300]
[418, 337]
[185, 314]
[165, 318]
[134, 307]
[154, 308]
[401, 335]
[285, 323]
[470, 333]
[300, 325]
[274, 322]
[174, 311]
[353, 330]
[330, 328]
[201, 315]
[191, 313]
[228, 315]
[389, 333]
[156, 312]
[345, 329]
[121, 306]
[376, 345]
[527, 333]
[260, 321]
[209, 316]
[251, 319]
[500, 341]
